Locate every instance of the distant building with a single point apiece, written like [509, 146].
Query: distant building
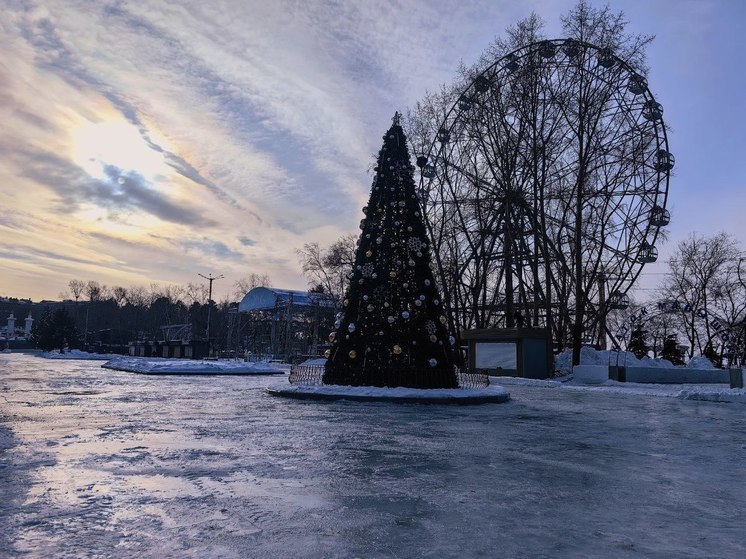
[10, 329]
[285, 323]
[27, 326]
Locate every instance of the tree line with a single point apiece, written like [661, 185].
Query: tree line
[98, 317]
[698, 307]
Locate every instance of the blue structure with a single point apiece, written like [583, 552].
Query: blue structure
[267, 298]
[285, 323]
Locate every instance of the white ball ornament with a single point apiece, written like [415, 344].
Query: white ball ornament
[391, 319]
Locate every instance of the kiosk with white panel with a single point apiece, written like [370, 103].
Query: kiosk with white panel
[515, 352]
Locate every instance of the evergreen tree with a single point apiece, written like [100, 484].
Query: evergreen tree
[392, 328]
[671, 350]
[54, 330]
[637, 343]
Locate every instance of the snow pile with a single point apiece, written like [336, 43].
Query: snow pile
[78, 354]
[491, 393]
[156, 366]
[650, 362]
[700, 362]
[590, 356]
[704, 392]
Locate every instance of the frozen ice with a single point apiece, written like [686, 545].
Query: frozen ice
[103, 463]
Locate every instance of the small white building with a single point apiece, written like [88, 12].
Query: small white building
[27, 326]
[10, 329]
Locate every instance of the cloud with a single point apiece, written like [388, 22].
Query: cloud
[266, 116]
[209, 247]
[119, 192]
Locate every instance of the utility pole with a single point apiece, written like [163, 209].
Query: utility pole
[210, 278]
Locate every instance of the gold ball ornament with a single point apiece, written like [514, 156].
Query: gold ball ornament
[397, 349]
[368, 253]
[327, 353]
[346, 302]
[352, 354]
[392, 274]
[443, 319]
[433, 338]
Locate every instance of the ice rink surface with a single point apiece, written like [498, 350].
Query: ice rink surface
[101, 463]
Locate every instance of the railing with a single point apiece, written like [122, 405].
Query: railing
[313, 375]
[307, 375]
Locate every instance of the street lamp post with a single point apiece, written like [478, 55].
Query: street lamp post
[211, 279]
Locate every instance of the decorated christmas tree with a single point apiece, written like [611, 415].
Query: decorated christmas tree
[392, 330]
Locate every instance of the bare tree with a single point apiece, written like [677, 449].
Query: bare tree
[195, 293]
[76, 288]
[242, 286]
[119, 294]
[93, 290]
[329, 267]
[703, 285]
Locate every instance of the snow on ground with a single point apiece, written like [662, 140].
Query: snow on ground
[708, 392]
[700, 362]
[590, 356]
[493, 393]
[78, 354]
[161, 366]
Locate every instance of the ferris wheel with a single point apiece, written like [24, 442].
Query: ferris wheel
[545, 186]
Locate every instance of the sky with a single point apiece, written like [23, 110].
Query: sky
[150, 141]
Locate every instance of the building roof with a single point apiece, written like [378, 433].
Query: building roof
[265, 298]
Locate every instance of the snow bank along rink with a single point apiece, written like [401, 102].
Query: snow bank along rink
[103, 463]
[707, 392]
[161, 366]
[493, 394]
[78, 354]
